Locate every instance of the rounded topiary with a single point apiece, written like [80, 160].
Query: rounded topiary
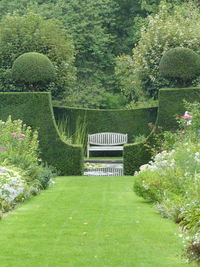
[33, 68]
[180, 63]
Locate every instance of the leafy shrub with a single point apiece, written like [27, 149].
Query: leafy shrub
[180, 63]
[41, 173]
[190, 216]
[19, 147]
[18, 143]
[33, 69]
[190, 221]
[12, 187]
[149, 185]
[193, 246]
[171, 207]
[172, 179]
[139, 138]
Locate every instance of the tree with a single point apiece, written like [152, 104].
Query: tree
[173, 26]
[33, 33]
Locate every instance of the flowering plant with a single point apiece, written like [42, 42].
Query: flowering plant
[172, 179]
[12, 187]
[19, 149]
[18, 143]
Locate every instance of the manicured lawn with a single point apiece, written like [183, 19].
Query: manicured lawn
[88, 221]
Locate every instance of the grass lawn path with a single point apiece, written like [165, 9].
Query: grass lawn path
[89, 222]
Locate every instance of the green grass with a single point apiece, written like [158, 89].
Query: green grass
[86, 222]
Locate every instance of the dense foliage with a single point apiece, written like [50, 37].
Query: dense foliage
[33, 70]
[173, 26]
[32, 33]
[171, 179]
[181, 64]
[21, 172]
[100, 30]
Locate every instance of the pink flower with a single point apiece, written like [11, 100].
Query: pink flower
[14, 134]
[187, 116]
[21, 136]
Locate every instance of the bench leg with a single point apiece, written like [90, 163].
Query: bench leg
[88, 153]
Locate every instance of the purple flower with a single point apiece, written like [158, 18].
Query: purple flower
[21, 136]
[14, 134]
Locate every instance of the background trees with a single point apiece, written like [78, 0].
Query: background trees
[89, 36]
[32, 33]
[171, 27]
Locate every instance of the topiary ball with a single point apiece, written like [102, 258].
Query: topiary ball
[180, 63]
[33, 68]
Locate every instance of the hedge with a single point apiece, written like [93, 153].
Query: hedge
[170, 106]
[180, 63]
[133, 122]
[35, 109]
[33, 67]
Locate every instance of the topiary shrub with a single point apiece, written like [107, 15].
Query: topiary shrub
[181, 64]
[33, 70]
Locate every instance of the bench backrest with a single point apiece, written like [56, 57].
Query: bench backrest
[105, 139]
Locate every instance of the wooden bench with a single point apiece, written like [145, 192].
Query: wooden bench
[106, 142]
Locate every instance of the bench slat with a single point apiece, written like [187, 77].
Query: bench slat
[105, 148]
[107, 139]
[106, 142]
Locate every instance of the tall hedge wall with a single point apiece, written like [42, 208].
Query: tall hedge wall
[133, 122]
[170, 105]
[35, 109]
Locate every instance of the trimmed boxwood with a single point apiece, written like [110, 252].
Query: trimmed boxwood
[33, 68]
[170, 106]
[180, 63]
[133, 122]
[35, 109]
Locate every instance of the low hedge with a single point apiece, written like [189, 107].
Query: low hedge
[135, 155]
[133, 122]
[170, 106]
[35, 109]
[138, 154]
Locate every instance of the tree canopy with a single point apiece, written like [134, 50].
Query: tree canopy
[89, 35]
[172, 26]
[33, 33]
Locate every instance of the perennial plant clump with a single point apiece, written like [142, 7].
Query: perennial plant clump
[22, 173]
[12, 187]
[19, 142]
[172, 179]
